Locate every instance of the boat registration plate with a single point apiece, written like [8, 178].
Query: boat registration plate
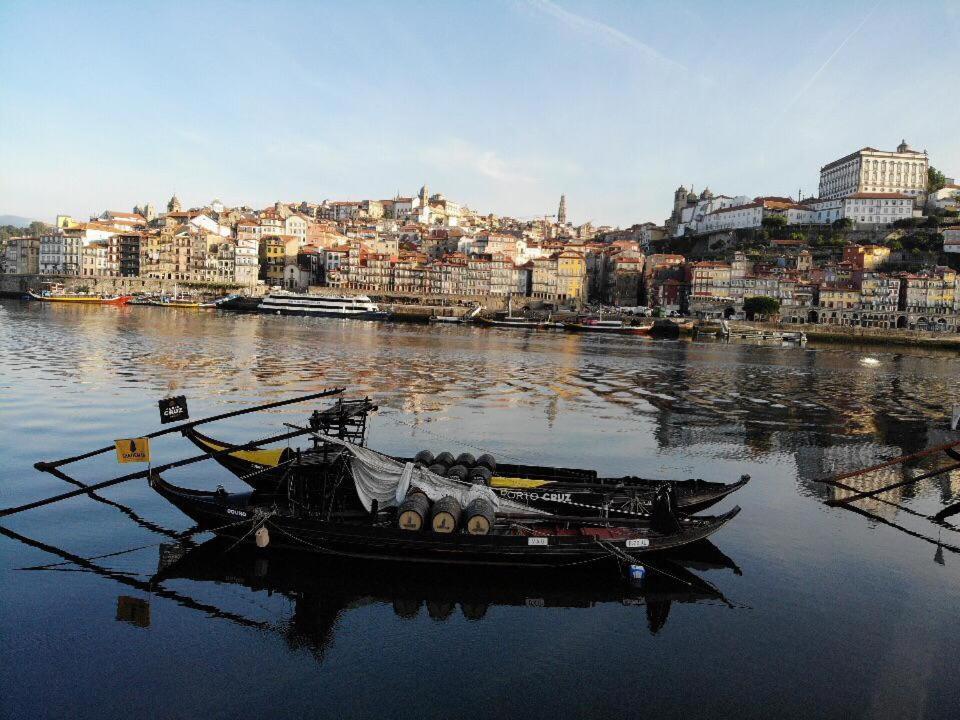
[536, 541]
[638, 542]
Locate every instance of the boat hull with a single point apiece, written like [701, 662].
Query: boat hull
[626, 330]
[84, 299]
[324, 312]
[553, 489]
[237, 516]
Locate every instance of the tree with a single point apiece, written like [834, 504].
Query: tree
[774, 222]
[935, 179]
[37, 228]
[842, 224]
[761, 305]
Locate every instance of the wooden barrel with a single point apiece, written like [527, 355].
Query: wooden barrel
[466, 459]
[487, 461]
[444, 458]
[424, 457]
[445, 515]
[458, 471]
[479, 516]
[413, 511]
[480, 475]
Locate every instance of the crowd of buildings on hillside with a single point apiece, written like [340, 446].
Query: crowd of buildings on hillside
[429, 245]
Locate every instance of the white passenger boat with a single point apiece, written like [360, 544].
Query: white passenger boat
[343, 306]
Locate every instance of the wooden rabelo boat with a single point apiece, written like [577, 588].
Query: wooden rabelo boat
[369, 517]
[555, 488]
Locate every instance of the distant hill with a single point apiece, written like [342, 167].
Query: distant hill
[15, 220]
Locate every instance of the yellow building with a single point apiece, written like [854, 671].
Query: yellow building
[571, 276]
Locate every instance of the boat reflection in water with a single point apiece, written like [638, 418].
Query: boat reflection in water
[324, 588]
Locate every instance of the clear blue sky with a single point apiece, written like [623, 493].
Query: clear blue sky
[502, 105]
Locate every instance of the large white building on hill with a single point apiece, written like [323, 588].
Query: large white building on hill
[903, 171]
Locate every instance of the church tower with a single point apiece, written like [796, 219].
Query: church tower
[174, 204]
[424, 196]
[562, 210]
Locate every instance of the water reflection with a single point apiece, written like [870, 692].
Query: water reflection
[323, 589]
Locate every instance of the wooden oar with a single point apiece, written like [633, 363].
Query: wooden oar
[895, 461]
[46, 466]
[144, 473]
[908, 481]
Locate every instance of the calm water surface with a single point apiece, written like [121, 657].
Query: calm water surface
[814, 611]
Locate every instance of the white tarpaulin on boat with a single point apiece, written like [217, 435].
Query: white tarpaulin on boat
[381, 478]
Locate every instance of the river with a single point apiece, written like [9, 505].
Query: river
[815, 611]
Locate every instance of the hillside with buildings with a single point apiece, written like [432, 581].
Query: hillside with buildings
[878, 247]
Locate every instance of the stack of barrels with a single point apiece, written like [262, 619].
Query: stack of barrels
[446, 515]
[464, 467]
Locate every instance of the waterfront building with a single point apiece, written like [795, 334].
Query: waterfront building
[60, 253]
[626, 280]
[928, 295]
[709, 280]
[275, 251]
[868, 170]
[246, 261]
[220, 259]
[22, 256]
[94, 259]
[123, 254]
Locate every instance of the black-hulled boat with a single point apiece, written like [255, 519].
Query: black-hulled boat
[354, 509]
[556, 488]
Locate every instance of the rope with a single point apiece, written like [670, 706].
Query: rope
[258, 521]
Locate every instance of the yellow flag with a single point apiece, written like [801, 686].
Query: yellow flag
[132, 450]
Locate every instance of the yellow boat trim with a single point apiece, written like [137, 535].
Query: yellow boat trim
[268, 458]
[71, 299]
[515, 482]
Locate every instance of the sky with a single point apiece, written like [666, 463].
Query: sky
[501, 105]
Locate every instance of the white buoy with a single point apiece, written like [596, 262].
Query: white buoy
[262, 536]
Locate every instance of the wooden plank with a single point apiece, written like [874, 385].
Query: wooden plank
[46, 466]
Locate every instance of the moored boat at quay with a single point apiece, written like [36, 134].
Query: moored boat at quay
[610, 327]
[344, 306]
[81, 298]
